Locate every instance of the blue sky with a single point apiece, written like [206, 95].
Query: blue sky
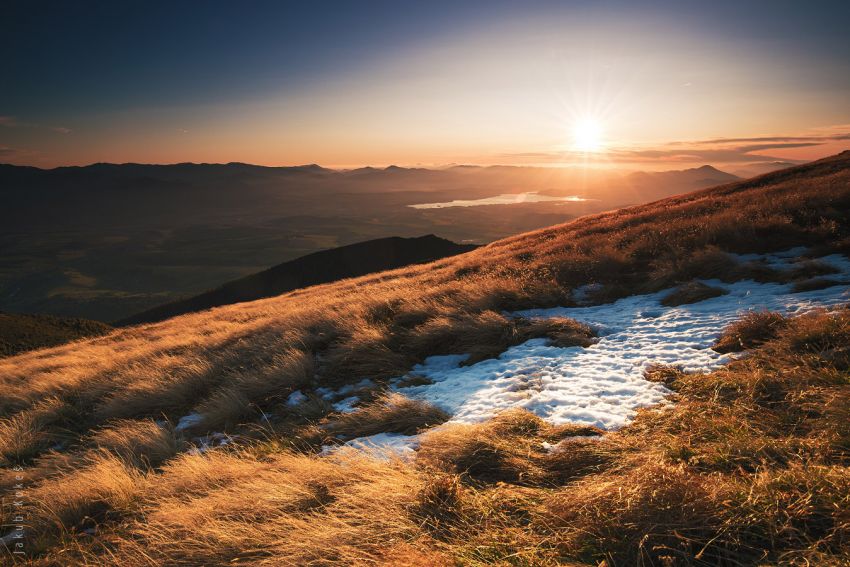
[350, 83]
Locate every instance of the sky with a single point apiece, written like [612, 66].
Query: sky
[653, 84]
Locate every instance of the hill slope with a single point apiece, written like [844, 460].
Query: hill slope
[23, 332]
[181, 441]
[320, 267]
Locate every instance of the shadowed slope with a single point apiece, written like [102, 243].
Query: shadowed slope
[320, 267]
[22, 332]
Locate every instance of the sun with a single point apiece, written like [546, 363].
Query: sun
[587, 135]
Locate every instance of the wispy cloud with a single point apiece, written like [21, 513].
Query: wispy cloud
[813, 138]
[12, 122]
[9, 154]
[753, 149]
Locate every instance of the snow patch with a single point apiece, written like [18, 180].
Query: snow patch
[188, 421]
[380, 444]
[603, 384]
[296, 398]
[207, 442]
[346, 405]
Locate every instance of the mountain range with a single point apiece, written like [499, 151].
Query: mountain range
[107, 241]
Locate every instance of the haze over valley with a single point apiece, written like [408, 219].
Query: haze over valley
[119, 239]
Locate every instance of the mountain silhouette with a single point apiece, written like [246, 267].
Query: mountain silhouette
[317, 268]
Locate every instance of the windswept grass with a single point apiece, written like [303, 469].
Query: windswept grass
[391, 413]
[511, 447]
[749, 466]
[691, 292]
[749, 331]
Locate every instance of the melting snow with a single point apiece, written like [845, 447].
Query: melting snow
[347, 401]
[207, 442]
[296, 398]
[346, 405]
[188, 421]
[603, 384]
[380, 444]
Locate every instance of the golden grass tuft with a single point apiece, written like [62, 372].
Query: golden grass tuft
[27, 433]
[509, 448]
[104, 486]
[142, 443]
[692, 292]
[390, 413]
[488, 333]
[751, 330]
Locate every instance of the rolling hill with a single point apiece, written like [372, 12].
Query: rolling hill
[22, 332]
[551, 398]
[317, 268]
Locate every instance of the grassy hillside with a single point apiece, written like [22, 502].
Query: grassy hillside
[749, 465]
[23, 332]
[320, 267]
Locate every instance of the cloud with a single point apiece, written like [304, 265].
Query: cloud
[714, 150]
[13, 154]
[813, 138]
[12, 122]
[695, 154]
[776, 146]
[661, 155]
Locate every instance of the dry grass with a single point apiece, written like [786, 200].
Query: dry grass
[391, 413]
[691, 292]
[144, 444]
[813, 284]
[25, 434]
[748, 466]
[751, 330]
[510, 448]
[102, 487]
[487, 334]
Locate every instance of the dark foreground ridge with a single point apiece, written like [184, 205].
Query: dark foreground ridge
[320, 267]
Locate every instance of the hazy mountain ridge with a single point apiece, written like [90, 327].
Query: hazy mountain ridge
[109, 240]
